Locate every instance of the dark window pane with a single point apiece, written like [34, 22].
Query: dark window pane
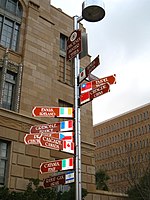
[9, 90]
[3, 161]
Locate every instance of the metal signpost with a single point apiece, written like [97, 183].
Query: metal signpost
[92, 11]
[49, 135]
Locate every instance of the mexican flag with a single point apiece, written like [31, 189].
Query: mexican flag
[67, 164]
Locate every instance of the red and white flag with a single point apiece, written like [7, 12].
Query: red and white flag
[66, 136]
[68, 146]
[85, 87]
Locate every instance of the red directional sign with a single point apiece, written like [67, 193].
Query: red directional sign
[57, 165]
[89, 96]
[50, 167]
[85, 72]
[48, 128]
[74, 46]
[54, 181]
[56, 144]
[51, 143]
[45, 111]
[32, 138]
[86, 87]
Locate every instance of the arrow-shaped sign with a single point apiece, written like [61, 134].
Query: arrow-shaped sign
[45, 111]
[89, 96]
[48, 128]
[57, 165]
[50, 142]
[56, 144]
[34, 138]
[86, 87]
[85, 72]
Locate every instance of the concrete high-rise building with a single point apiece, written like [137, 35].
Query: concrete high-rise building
[123, 147]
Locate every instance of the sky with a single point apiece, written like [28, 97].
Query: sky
[122, 40]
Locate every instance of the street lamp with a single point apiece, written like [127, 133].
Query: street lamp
[92, 11]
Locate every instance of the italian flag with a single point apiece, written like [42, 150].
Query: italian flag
[67, 164]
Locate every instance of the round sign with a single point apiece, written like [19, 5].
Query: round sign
[73, 36]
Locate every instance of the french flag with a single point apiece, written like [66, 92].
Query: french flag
[85, 87]
[68, 146]
[66, 125]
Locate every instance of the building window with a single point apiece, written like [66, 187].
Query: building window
[10, 20]
[3, 161]
[66, 68]
[10, 83]
[9, 91]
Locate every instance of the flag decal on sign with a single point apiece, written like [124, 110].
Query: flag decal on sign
[68, 146]
[67, 164]
[85, 87]
[65, 112]
[66, 125]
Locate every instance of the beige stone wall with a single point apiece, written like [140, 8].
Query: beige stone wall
[39, 53]
[104, 195]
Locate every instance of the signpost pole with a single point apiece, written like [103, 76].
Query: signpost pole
[92, 11]
[77, 121]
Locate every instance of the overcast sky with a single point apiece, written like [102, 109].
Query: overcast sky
[122, 39]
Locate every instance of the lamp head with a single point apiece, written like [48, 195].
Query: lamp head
[93, 10]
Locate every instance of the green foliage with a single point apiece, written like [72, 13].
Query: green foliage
[101, 180]
[70, 195]
[141, 190]
[36, 192]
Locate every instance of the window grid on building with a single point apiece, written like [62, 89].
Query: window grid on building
[3, 161]
[66, 69]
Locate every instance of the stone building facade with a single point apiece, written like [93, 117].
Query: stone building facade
[123, 147]
[34, 72]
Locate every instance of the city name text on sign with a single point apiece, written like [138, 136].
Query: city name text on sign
[85, 87]
[60, 179]
[54, 181]
[57, 165]
[56, 144]
[55, 127]
[51, 143]
[45, 111]
[50, 167]
[85, 72]
[74, 44]
[34, 138]
[89, 96]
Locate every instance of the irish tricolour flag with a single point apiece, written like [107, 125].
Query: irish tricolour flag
[67, 164]
[66, 112]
